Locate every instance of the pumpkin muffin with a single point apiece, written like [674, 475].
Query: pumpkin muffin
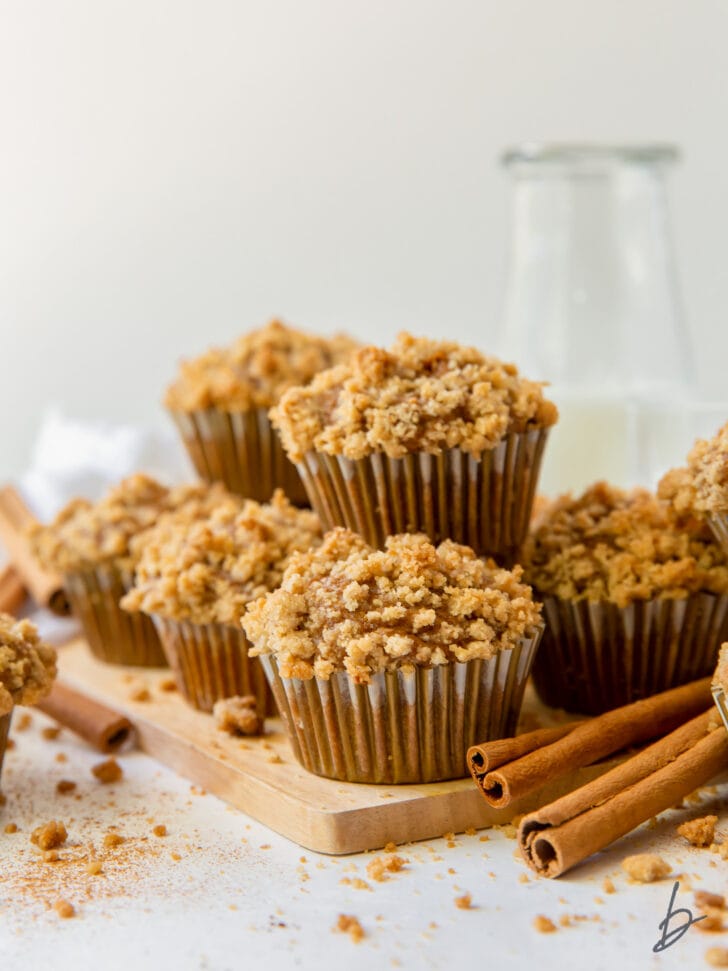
[635, 593]
[95, 547]
[27, 670]
[387, 664]
[220, 403]
[195, 578]
[429, 436]
[703, 485]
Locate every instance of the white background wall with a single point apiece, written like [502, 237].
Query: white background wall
[174, 172]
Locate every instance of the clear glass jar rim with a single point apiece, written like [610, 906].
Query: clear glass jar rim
[652, 152]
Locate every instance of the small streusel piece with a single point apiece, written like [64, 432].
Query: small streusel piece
[50, 835]
[108, 771]
[699, 832]
[238, 715]
[646, 867]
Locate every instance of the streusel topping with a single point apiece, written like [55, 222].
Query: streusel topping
[720, 678]
[256, 370]
[421, 396]
[27, 665]
[622, 546]
[86, 534]
[208, 571]
[346, 606]
[708, 466]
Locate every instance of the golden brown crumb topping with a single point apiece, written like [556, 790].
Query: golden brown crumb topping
[238, 715]
[50, 835]
[699, 832]
[421, 396]
[86, 534]
[27, 665]
[208, 571]
[346, 606]
[646, 867]
[720, 678]
[708, 468]
[256, 370]
[621, 546]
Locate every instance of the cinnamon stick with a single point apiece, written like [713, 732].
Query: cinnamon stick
[100, 726]
[559, 836]
[488, 756]
[593, 740]
[45, 587]
[12, 591]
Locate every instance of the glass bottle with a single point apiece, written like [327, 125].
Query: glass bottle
[592, 307]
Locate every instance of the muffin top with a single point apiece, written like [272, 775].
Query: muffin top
[348, 607]
[420, 396]
[708, 468]
[621, 546]
[85, 534]
[256, 370]
[27, 665]
[207, 571]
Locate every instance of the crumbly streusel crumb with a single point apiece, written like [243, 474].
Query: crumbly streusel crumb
[465, 902]
[10, 828]
[209, 570]
[646, 867]
[85, 535]
[113, 839]
[381, 866]
[608, 885]
[50, 835]
[348, 924]
[256, 370]
[27, 665]
[699, 832]
[708, 471]
[64, 909]
[64, 786]
[705, 900]
[717, 957]
[107, 771]
[420, 396]
[238, 715]
[159, 830]
[621, 546]
[544, 925]
[346, 606]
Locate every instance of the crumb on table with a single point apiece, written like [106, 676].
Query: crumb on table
[544, 925]
[50, 835]
[238, 715]
[348, 924]
[64, 909]
[717, 957]
[107, 771]
[160, 830]
[465, 902]
[64, 786]
[113, 839]
[646, 867]
[380, 866]
[699, 832]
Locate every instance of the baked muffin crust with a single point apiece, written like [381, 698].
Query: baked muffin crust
[27, 665]
[256, 370]
[86, 534]
[622, 546]
[422, 395]
[346, 606]
[208, 570]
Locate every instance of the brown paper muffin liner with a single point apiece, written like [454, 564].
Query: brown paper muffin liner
[4, 732]
[485, 503]
[210, 662]
[719, 525]
[404, 726]
[241, 450]
[114, 635]
[597, 656]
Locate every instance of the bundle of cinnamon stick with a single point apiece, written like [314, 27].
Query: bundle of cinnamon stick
[564, 833]
[46, 588]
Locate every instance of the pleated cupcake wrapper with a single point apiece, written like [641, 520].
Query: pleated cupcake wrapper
[404, 726]
[485, 503]
[719, 525]
[720, 703]
[597, 656]
[241, 450]
[4, 732]
[114, 635]
[211, 661]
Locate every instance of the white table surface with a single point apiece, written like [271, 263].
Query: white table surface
[240, 897]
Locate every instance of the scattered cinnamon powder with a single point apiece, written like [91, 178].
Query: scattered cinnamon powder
[108, 771]
[544, 925]
[465, 902]
[64, 909]
[50, 835]
[646, 867]
[379, 868]
[348, 924]
[699, 832]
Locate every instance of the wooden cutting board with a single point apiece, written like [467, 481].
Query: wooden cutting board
[261, 777]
